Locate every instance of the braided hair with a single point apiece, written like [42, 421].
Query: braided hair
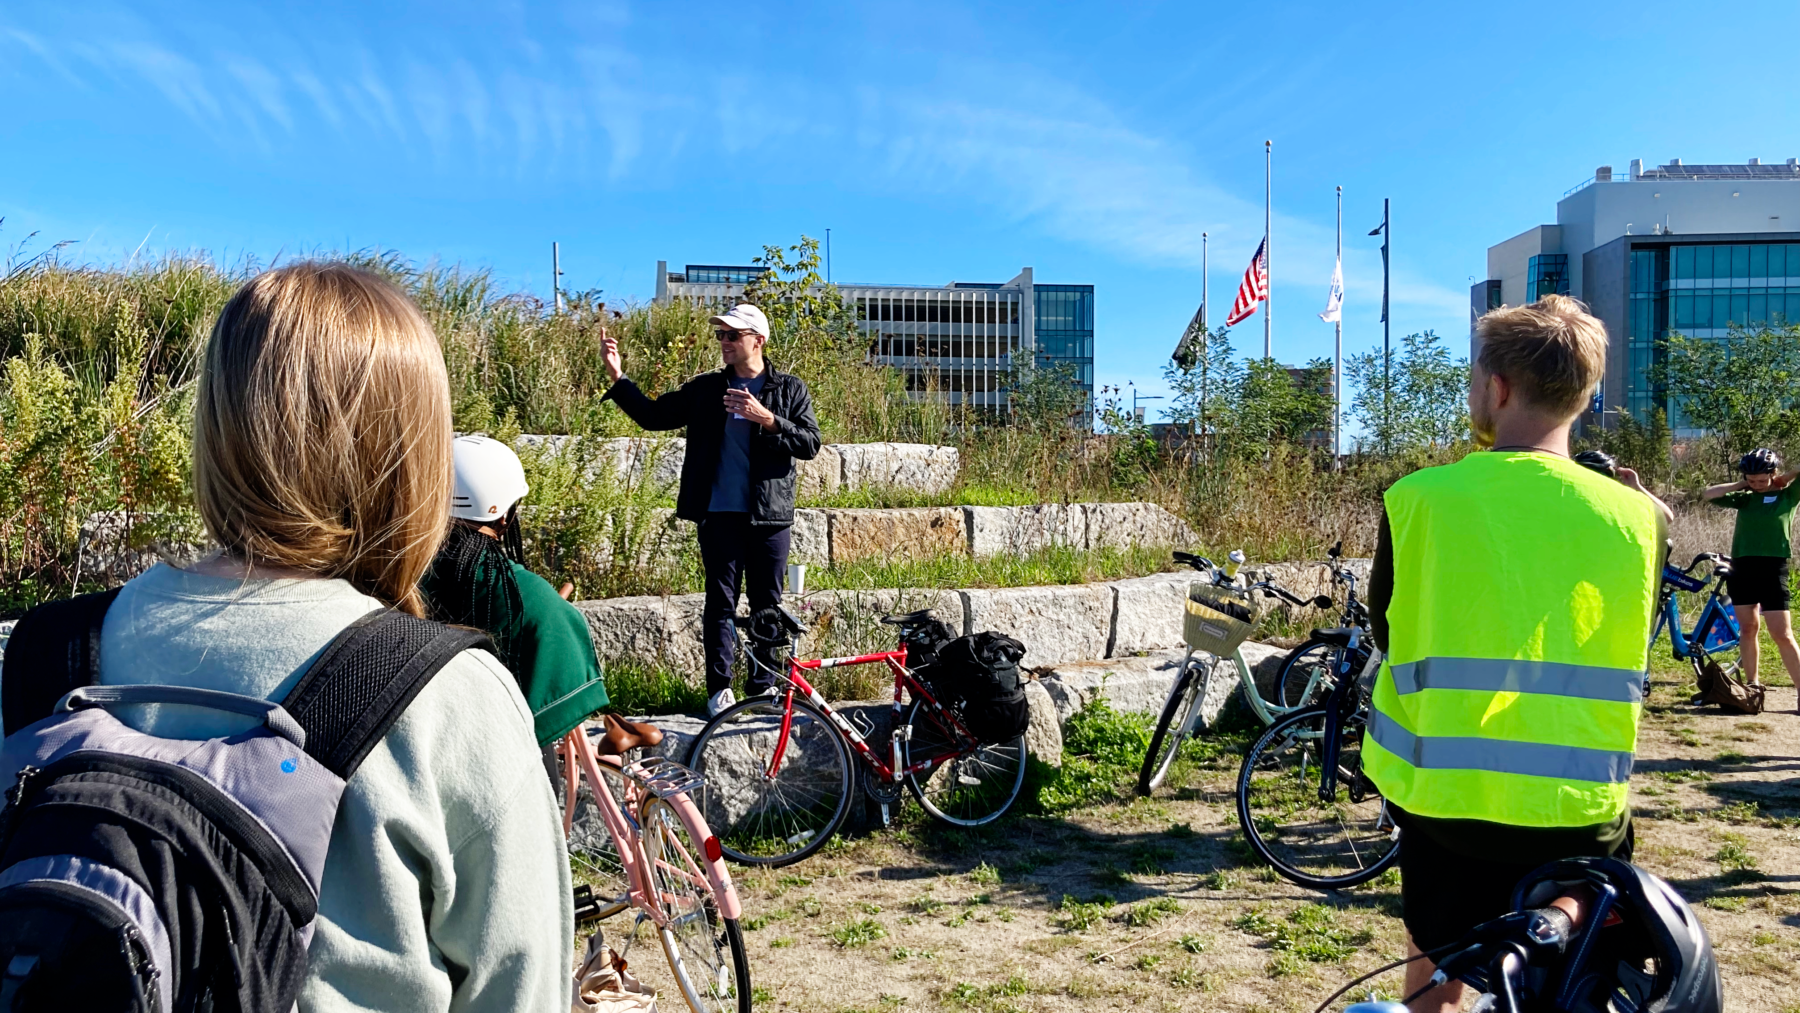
[471, 582]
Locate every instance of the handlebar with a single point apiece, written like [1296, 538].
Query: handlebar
[1705, 557]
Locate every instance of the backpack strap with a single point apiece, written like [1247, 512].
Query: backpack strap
[365, 678]
[54, 649]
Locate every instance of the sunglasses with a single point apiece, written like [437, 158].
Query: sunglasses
[724, 335]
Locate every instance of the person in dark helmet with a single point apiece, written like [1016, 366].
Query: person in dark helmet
[1760, 548]
[1606, 464]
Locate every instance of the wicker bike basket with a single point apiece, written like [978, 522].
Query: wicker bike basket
[1212, 622]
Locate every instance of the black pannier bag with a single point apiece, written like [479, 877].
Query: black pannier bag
[924, 641]
[979, 675]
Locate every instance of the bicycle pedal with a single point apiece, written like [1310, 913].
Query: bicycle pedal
[968, 782]
[885, 818]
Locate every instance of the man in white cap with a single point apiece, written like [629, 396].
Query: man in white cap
[746, 426]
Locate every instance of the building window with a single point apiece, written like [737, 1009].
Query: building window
[1546, 274]
[713, 274]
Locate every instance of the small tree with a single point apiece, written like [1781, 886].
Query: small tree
[1242, 408]
[1417, 397]
[1742, 387]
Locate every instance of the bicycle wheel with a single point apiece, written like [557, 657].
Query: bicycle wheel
[705, 951]
[1305, 675]
[763, 818]
[1175, 725]
[1319, 844]
[593, 854]
[974, 783]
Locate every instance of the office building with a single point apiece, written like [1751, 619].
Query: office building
[962, 340]
[1695, 249]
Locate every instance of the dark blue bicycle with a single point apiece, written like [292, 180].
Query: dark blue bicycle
[1715, 630]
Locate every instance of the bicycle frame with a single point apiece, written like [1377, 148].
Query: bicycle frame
[1716, 628]
[894, 771]
[645, 777]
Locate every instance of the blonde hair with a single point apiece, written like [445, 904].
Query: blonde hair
[322, 430]
[1553, 351]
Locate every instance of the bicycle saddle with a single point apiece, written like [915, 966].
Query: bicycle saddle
[622, 736]
[1339, 636]
[918, 618]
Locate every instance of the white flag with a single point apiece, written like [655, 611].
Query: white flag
[1334, 300]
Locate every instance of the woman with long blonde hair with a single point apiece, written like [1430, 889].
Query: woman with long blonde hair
[322, 467]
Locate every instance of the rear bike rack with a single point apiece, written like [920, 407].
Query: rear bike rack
[663, 777]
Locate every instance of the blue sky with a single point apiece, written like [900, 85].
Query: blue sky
[938, 141]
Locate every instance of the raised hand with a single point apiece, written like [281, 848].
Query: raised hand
[615, 363]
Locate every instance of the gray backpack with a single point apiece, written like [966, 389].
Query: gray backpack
[140, 873]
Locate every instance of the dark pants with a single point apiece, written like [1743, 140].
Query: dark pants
[737, 555]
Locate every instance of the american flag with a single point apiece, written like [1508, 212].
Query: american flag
[1255, 287]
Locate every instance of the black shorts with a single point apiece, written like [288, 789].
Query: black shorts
[1444, 894]
[1759, 580]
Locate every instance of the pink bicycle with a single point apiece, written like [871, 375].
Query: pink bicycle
[638, 842]
[779, 780]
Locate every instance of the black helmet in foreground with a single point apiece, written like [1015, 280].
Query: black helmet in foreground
[1600, 461]
[1761, 461]
[1654, 957]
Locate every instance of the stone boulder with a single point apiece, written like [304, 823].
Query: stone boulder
[1137, 685]
[649, 630]
[1122, 525]
[1043, 737]
[820, 477]
[918, 533]
[1057, 624]
[1023, 530]
[810, 538]
[1148, 613]
[919, 467]
[631, 459]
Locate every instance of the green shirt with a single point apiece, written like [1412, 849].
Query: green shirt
[553, 655]
[1763, 521]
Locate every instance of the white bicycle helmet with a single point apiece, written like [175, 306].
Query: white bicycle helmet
[489, 479]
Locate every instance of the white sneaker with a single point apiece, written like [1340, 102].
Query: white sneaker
[719, 701]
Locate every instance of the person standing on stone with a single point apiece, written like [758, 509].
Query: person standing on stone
[747, 424]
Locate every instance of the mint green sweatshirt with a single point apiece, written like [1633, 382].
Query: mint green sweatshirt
[446, 884]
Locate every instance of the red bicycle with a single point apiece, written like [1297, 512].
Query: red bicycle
[779, 781]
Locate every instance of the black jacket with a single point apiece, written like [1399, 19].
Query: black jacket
[699, 405]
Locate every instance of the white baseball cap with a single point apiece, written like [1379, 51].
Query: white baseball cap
[743, 317]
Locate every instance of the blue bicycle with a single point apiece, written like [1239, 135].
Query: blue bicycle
[1715, 630]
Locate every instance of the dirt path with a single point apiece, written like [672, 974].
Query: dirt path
[1153, 904]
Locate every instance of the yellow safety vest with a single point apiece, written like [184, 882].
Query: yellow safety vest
[1524, 586]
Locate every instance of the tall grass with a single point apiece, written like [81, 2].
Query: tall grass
[97, 389]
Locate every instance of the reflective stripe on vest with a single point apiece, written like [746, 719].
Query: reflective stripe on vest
[1504, 756]
[1495, 675]
[1523, 592]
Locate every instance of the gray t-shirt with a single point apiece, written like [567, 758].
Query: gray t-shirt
[731, 486]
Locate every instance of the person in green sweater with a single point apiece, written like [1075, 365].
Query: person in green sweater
[1760, 547]
[478, 580]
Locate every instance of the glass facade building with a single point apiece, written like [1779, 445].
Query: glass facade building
[1065, 331]
[1547, 274]
[1703, 290]
[963, 342]
[1658, 250]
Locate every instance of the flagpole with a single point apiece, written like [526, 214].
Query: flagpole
[1268, 249]
[1205, 346]
[1387, 327]
[1337, 361]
